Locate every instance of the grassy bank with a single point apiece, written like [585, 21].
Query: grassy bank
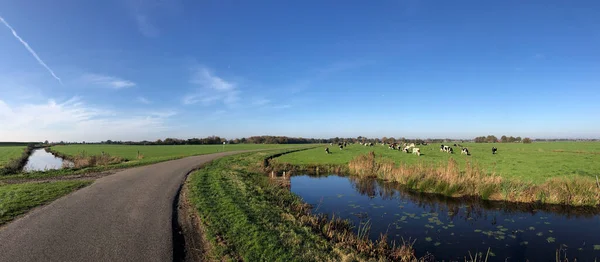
[141, 152]
[246, 217]
[535, 163]
[13, 158]
[555, 173]
[125, 156]
[18, 199]
[450, 180]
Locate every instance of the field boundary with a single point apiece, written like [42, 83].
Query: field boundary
[101, 170]
[470, 183]
[16, 165]
[345, 244]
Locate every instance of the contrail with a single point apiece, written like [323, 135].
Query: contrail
[30, 50]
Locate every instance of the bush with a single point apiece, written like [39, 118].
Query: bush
[527, 140]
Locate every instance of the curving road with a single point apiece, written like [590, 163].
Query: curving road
[122, 217]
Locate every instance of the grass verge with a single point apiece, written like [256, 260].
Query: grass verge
[19, 198]
[449, 179]
[246, 217]
[16, 162]
[102, 166]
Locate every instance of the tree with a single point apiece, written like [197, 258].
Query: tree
[512, 139]
[491, 139]
[504, 139]
[480, 139]
[518, 139]
[527, 140]
[46, 142]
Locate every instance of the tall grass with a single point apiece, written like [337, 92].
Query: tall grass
[83, 159]
[16, 165]
[247, 217]
[448, 179]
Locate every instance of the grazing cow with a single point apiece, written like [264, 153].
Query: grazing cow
[494, 149]
[412, 145]
[345, 144]
[446, 149]
[327, 150]
[406, 149]
[455, 145]
[465, 151]
[341, 147]
[417, 151]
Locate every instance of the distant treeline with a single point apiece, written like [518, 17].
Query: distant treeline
[503, 139]
[18, 143]
[213, 140]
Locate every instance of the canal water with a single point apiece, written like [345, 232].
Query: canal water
[40, 160]
[450, 228]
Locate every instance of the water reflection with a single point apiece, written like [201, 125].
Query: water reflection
[40, 160]
[450, 227]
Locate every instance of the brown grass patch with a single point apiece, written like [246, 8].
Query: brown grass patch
[448, 179]
[83, 160]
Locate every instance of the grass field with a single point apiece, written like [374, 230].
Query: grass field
[130, 152]
[151, 154]
[19, 198]
[534, 162]
[8, 153]
[246, 217]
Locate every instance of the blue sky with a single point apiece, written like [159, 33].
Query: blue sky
[148, 69]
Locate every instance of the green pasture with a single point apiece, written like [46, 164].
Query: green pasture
[8, 153]
[534, 162]
[19, 198]
[130, 152]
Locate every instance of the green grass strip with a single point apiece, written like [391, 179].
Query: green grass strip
[19, 198]
[250, 215]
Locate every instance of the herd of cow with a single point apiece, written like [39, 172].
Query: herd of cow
[408, 148]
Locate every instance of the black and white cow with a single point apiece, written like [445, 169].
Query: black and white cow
[327, 150]
[446, 149]
[341, 147]
[465, 151]
[494, 149]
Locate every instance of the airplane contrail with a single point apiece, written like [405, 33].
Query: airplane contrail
[30, 50]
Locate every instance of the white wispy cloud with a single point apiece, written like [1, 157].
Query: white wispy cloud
[145, 26]
[74, 120]
[143, 100]
[211, 89]
[147, 14]
[106, 81]
[33, 53]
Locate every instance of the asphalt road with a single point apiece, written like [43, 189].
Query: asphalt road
[121, 217]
